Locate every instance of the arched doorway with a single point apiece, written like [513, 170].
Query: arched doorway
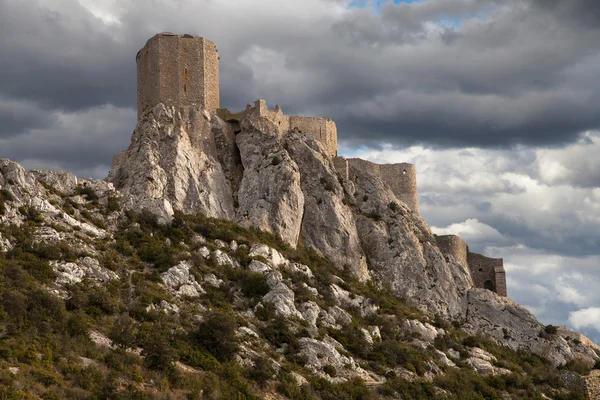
[489, 285]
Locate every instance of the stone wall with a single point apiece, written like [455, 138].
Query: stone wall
[341, 166]
[323, 129]
[455, 246]
[402, 179]
[178, 71]
[487, 273]
[592, 385]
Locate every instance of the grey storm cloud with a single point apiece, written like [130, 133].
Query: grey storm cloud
[439, 72]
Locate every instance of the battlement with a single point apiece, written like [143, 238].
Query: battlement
[177, 70]
[323, 129]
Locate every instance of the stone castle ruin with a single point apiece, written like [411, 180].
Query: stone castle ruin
[487, 273]
[183, 70]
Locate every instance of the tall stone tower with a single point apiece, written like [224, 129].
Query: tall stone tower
[178, 71]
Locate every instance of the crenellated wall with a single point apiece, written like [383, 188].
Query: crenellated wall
[178, 71]
[323, 129]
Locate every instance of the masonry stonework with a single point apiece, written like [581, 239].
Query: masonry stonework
[487, 273]
[323, 129]
[401, 178]
[178, 71]
[454, 246]
[592, 385]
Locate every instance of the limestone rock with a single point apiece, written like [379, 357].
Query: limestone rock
[164, 307]
[172, 164]
[64, 182]
[5, 244]
[325, 353]
[223, 259]
[272, 256]
[424, 330]
[71, 273]
[269, 196]
[514, 326]
[310, 312]
[179, 280]
[328, 224]
[444, 358]
[282, 297]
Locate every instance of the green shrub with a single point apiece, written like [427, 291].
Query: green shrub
[87, 192]
[158, 353]
[254, 284]
[330, 370]
[217, 335]
[261, 372]
[551, 329]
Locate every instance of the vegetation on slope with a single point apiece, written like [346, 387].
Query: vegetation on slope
[47, 351]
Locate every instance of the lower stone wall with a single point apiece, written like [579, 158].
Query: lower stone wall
[402, 179]
[341, 166]
[487, 273]
[592, 385]
[453, 245]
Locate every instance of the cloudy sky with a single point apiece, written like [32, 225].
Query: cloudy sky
[496, 101]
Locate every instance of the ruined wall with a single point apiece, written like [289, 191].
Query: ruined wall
[592, 385]
[455, 246]
[341, 166]
[487, 273]
[323, 129]
[402, 179]
[364, 165]
[178, 71]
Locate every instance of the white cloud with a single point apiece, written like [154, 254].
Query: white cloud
[471, 230]
[587, 317]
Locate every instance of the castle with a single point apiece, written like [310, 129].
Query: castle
[183, 70]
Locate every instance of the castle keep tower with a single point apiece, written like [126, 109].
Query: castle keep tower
[178, 71]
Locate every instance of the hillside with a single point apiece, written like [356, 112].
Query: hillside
[241, 265]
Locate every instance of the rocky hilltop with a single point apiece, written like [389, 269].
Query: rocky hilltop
[215, 257]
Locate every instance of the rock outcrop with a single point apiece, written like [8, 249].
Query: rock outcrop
[286, 184]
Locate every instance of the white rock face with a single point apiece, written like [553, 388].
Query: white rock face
[328, 224]
[325, 353]
[172, 164]
[64, 182]
[424, 330]
[71, 273]
[513, 326]
[223, 259]
[282, 297]
[272, 256]
[481, 362]
[269, 196]
[5, 244]
[180, 281]
[164, 307]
